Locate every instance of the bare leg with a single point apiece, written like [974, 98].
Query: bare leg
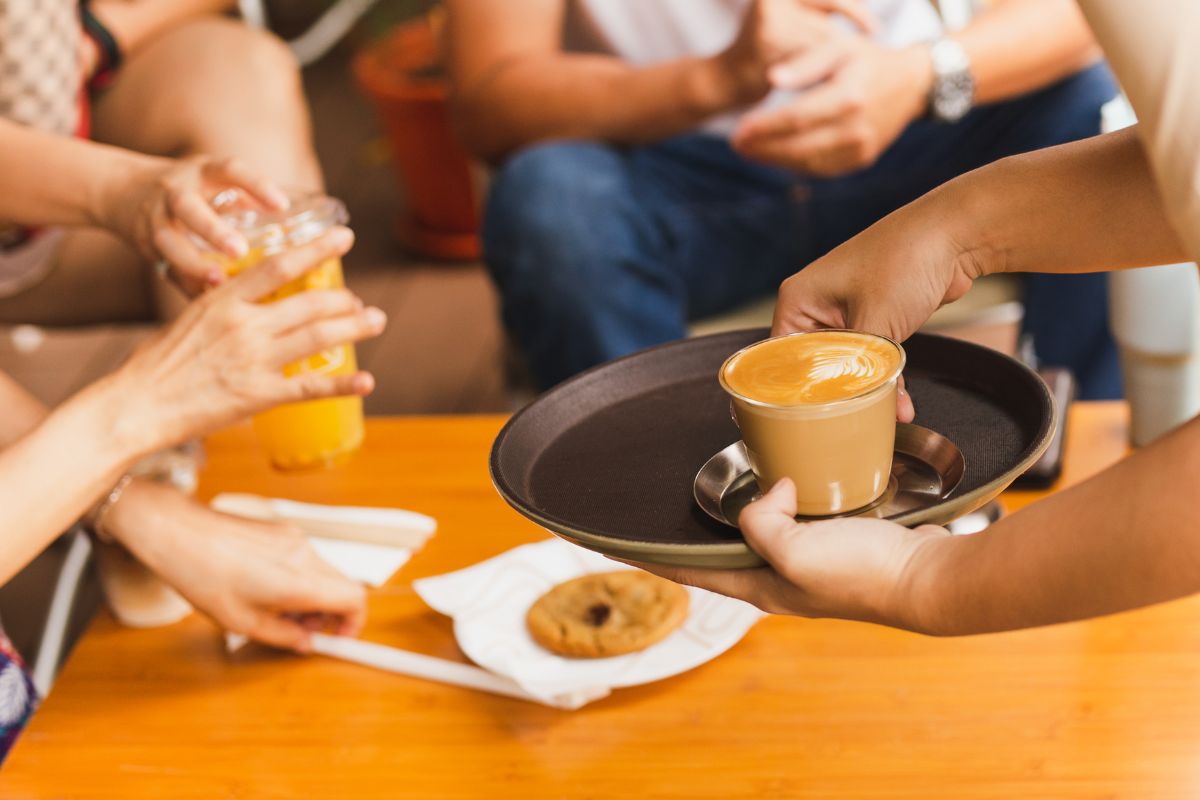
[219, 87]
[213, 86]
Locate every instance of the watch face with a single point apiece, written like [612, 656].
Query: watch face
[952, 97]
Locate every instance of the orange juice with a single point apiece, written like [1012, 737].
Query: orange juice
[314, 433]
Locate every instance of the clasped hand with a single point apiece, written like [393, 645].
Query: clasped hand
[853, 97]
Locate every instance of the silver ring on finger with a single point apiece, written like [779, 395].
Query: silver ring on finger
[225, 197]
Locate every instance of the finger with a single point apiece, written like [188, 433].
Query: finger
[823, 104]
[326, 333]
[280, 631]
[328, 592]
[809, 66]
[905, 410]
[192, 269]
[854, 10]
[313, 386]
[751, 585]
[276, 271]
[788, 320]
[201, 219]
[236, 173]
[769, 522]
[300, 309]
[819, 151]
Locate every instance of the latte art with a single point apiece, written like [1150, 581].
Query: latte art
[818, 367]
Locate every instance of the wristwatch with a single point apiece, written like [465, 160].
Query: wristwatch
[953, 90]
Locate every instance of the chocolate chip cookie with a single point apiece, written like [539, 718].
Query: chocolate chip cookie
[607, 614]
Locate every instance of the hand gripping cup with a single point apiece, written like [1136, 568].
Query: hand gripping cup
[314, 433]
[819, 408]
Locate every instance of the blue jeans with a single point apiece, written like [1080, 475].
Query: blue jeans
[600, 250]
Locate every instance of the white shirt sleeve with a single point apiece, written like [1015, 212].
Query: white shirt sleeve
[1153, 48]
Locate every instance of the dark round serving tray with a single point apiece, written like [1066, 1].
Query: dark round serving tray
[607, 459]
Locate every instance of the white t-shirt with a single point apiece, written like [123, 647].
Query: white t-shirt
[645, 32]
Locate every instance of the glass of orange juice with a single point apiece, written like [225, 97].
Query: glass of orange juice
[314, 433]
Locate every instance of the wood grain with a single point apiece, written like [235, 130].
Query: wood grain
[1108, 708]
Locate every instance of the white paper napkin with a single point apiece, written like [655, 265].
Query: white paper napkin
[489, 600]
[372, 564]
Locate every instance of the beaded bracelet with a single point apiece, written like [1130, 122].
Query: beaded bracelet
[96, 517]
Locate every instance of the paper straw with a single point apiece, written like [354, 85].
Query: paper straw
[416, 665]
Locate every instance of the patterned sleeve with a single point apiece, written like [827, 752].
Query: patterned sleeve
[17, 696]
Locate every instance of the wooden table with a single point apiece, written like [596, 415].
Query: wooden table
[1109, 708]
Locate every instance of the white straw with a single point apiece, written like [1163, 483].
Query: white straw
[430, 668]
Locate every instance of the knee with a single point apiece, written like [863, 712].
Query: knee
[269, 64]
[247, 60]
[548, 205]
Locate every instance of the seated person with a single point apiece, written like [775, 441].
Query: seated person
[160, 80]
[260, 579]
[666, 160]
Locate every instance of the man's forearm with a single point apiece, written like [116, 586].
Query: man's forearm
[1018, 46]
[1127, 538]
[564, 95]
[1080, 207]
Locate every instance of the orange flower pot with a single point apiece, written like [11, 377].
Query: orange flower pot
[401, 75]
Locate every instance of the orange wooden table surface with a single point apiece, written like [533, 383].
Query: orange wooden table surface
[1109, 708]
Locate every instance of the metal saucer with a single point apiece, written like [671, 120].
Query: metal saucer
[926, 468]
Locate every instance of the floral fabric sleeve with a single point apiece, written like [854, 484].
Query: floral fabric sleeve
[18, 698]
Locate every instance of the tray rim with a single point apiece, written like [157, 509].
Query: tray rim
[738, 553]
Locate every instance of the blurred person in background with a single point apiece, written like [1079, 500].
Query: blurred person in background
[660, 161]
[219, 362]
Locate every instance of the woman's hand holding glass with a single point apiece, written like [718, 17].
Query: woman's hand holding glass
[223, 359]
[164, 207]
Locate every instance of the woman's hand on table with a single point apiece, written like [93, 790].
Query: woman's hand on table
[223, 358]
[260, 579]
[164, 205]
[862, 569]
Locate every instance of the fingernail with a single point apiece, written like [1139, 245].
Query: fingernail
[781, 485]
[364, 383]
[215, 277]
[280, 199]
[341, 237]
[236, 246]
[375, 317]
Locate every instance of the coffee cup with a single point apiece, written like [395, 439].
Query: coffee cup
[820, 408]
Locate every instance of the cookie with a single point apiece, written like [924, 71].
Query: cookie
[607, 614]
